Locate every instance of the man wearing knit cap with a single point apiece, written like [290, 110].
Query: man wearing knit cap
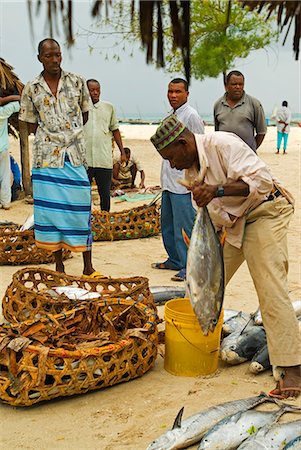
[177, 212]
[246, 202]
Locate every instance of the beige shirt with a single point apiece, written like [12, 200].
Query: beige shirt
[225, 158]
[98, 134]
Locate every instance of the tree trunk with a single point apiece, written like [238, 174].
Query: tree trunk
[25, 164]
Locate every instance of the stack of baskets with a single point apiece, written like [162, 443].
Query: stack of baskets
[140, 222]
[19, 247]
[68, 347]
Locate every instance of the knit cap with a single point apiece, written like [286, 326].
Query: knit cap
[167, 132]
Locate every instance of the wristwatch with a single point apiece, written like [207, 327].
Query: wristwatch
[220, 191]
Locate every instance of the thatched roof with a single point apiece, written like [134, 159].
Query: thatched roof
[151, 15]
[10, 84]
[287, 13]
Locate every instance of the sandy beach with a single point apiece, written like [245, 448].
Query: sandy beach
[129, 416]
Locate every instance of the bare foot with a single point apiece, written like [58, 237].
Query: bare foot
[289, 385]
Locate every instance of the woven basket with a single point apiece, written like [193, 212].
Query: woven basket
[19, 247]
[87, 348]
[135, 223]
[27, 297]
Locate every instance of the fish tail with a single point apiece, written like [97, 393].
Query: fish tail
[222, 237]
[185, 237]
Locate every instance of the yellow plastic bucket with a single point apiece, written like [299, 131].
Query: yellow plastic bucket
[188, 352]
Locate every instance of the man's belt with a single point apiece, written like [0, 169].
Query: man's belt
[274, 194]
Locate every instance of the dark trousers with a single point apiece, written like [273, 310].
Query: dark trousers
[103, 178]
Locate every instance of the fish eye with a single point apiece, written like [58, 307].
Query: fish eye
[232, 347]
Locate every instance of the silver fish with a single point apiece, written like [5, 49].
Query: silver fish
[230, 432]
[236, 323]
[162, 294]
[273, 437]
[205, 272]
[260, 361]
[192, 429]
[296, 305]
[294, 444]
[239, 347]
[228, 313]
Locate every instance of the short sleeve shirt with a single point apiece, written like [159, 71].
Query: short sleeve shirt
[284, 115]
[169, 176]
[98, 134]
[59, 119]
[5, 112]
[243, 119]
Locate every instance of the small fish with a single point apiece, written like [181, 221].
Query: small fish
[236, 323]
[296, 305]
[191, 430]
[260, 361]
[230, 432]
[294, 444]
[205, 272]
[239, 347]
[228, 313]
[273, 437]
[162, 294]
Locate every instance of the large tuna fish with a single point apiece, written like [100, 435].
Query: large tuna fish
[205, 272]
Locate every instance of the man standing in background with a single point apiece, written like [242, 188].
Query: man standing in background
[283, 118]
[99, 129]
[240, 113]
[8, 106]
[177, 212]
[57, 103]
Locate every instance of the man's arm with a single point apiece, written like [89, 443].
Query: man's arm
[203, 193]
[115, 181]
[85, 117]
[9, 98]
[259, 139]
[118, 140]
[142, 185]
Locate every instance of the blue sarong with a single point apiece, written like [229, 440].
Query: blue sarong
[62, 208]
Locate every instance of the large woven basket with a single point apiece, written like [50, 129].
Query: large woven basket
[27, 296]
[139, 222]
[92, 347]
[19, 247]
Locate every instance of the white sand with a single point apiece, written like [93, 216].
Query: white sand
[128, 416]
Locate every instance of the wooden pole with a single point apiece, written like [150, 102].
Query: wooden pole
[25, 163]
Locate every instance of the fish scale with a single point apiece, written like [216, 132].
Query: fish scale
[205, 272]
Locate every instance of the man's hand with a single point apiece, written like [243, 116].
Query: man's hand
[122, 156]
[202, 193]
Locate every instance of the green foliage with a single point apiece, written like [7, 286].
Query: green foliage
[216, 44]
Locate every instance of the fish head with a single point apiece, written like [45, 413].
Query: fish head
[229, 352]
[166, 441]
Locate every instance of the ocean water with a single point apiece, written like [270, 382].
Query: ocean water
[208, 118]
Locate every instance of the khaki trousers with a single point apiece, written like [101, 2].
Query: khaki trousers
[265, 251]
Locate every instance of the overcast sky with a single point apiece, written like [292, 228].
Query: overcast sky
[135, 88]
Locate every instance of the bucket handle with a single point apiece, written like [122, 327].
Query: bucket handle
[178, 329]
